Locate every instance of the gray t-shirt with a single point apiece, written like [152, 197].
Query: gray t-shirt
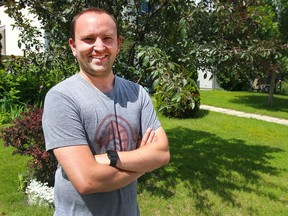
[75, 113]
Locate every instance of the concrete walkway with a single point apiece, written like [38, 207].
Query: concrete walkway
[246, 115]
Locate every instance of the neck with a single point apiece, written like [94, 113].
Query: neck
[104, 84]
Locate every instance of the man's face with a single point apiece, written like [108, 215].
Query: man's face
[96, 43]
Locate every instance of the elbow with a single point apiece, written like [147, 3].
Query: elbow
[84, 188]
[166, 158]
[87, 187]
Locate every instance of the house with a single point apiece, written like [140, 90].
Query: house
[10, 35]
[206, 80]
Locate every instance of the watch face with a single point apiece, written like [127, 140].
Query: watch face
[113, 153]
[113, 156]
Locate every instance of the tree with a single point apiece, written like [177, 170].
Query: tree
[236, 40]
[139, 27]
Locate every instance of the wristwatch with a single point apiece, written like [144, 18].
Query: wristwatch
[113, 156]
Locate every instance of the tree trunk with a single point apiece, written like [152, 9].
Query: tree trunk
[272, 87]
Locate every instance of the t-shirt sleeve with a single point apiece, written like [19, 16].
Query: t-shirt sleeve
[61, 122]
[148, 114]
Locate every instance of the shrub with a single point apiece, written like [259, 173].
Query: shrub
[27, 137]
[28, 79]
[282, 88]
[177, 95]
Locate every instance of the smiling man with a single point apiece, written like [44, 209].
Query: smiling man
[103, 129]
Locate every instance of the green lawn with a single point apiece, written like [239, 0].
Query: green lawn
[220, 165]
[252, 102]
[12, 202]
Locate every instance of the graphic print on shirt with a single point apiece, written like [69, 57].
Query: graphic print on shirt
[115, 133]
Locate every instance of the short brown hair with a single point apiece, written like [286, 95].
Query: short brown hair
[95, 10]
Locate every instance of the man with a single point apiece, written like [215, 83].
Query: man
[93, 120]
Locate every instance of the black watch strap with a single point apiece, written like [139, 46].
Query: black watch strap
[113, 156]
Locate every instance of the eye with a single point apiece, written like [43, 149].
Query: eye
[107, 38]
[88, 40]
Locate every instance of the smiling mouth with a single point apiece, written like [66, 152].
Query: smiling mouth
[98, 57]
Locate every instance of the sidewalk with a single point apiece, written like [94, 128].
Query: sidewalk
[246, 115]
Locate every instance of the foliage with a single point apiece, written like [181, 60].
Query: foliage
[177, 95]
[282, 87]
[282, 10]
[9, 112]
[26, 80]
[237, 41]
[27, 137]
[138, 27]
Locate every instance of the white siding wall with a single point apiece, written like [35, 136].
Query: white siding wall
[207, 83]
[12, 34]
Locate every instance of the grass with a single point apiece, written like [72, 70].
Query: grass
[220, 165]
[252, 102]
[13, 202]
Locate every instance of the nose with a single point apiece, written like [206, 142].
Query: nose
[99, 45]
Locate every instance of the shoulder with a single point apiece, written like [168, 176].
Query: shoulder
[63, 92]
[68, 83]
[129, 85]
[70, 87]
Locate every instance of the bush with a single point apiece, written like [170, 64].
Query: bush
[177, 95]
[28, 79]
[282, 88]
[27, 137]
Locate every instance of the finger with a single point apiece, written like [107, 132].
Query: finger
[146, 136]
[154, 138]
[151, 137]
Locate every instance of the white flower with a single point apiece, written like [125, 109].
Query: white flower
[39, 193]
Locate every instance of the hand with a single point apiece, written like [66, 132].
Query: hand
[102, 159]
[148, 137]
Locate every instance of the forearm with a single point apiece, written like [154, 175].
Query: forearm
[110, 180]
[144, 159]
[89, 176]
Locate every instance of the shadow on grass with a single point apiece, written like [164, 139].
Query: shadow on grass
[203, 161]
[201, 113]
[261, 102]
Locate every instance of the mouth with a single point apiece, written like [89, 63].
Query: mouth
[98, 57]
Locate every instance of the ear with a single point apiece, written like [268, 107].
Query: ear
[119, 41]
[72, 46]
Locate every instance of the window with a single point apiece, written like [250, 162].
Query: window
[145, 6]
[3, 40]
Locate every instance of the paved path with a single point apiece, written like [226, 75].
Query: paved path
[246, 115]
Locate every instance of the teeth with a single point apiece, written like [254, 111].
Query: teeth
[98, 57]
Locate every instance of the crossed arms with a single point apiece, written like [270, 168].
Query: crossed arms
[91, 173]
